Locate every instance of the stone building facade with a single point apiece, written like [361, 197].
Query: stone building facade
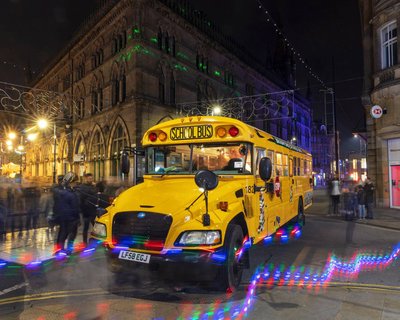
[380, 20]
[135, 62]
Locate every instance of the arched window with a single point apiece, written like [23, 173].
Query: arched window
[97, 155]
[100, 95]
[94, 101]
[119, 141]
[159, 39]
[114, 49]
[173, 47]
[115, 90]
[172, 92]
[161, 87]
[166, 41]
[123, 87]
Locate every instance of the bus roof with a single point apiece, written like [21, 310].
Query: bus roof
[247, 132]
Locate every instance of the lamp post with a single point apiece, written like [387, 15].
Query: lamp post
[54, 154]
[43, 124]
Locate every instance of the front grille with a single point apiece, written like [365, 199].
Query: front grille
[141, 230]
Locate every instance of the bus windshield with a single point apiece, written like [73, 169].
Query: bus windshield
[233, 158]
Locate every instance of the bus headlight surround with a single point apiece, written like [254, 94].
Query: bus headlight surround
[199, 238]
[99, 230]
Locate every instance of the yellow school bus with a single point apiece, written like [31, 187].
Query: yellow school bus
[212, 186]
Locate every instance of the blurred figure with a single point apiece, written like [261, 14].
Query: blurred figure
[361, 202]
[369, 189]
[88, 201]
[46, 206]
[66, 210]
[335, 194]
[32, 198]
[102, 198]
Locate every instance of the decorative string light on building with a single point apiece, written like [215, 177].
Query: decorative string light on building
[31, 101]
[268, 106]
[296, 54]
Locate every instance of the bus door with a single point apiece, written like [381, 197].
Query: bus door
[286, 188]
[292, 183]
[265, 202]
[295, 181]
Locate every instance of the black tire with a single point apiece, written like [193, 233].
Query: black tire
[230, 273]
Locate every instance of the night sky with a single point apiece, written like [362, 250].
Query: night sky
[33, 32]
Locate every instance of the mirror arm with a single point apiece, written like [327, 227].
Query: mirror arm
[206, 216]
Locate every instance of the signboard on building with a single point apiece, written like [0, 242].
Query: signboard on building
[79, 157]
[376, 112]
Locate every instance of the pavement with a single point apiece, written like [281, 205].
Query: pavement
[29, 246]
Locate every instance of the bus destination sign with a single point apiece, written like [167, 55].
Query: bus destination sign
[192, 132]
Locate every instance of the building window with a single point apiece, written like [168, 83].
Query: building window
[95, 101]
[81, 108]
[120, 140]
[161, 87]
[123, 87]
[389, 45]
[172, 94]
[96, 155]
[159, 39]
[115, 91]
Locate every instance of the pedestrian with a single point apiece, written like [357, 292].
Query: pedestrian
[32, 199]
[348, 204]
[88, 200]
[369, 189]
[103, 200]
[335, 194]
[46, 206]
[66, 210]
[361, 202]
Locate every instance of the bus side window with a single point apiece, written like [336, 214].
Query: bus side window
[298, 166]
[291, 167]
[285, 165]
[260, 154]
[278, 164]
[294, 166]
[271, 155]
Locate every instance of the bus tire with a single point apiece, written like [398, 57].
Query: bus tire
[230, 273]
[301, 218]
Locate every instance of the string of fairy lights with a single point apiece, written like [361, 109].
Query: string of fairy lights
[297, 55]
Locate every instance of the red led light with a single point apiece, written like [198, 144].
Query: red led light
[153, 136]
[233, 131]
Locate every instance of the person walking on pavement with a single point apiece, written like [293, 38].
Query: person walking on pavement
[369, 189]
[103, 200]
[335, 194]
[88, 201]
[361, 202]
[66, 210]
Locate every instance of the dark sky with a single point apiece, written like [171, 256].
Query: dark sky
[321, 31]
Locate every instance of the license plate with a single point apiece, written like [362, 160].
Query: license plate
[134, 256]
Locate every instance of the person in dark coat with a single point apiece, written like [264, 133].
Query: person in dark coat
[361, 202]
[66, 210]
[88, 202]
[369, 189]
[103, 200]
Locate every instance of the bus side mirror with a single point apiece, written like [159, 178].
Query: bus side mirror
[125, 163]
[265, 168]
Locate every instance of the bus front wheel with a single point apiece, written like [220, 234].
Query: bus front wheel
[231, 271]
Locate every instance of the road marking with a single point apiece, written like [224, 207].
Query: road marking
[301, 256]
[13, 288]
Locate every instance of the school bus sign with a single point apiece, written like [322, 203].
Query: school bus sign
[192, 132]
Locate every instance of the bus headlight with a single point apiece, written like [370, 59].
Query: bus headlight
[198, 238]
[99, 230]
